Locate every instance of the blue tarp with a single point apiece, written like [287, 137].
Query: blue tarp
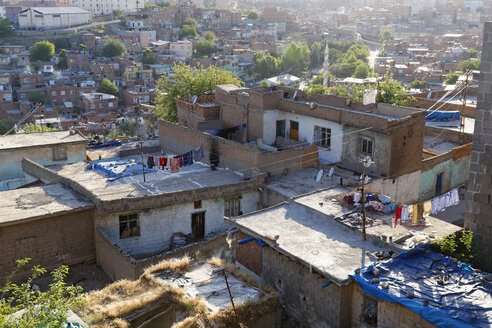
[118, 168]
[442, 116]
[457, 295]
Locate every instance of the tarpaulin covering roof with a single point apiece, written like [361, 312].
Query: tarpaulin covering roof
[440, 116]
[118, 168]
[457, 295]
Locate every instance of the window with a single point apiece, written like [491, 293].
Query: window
[53, 93]
[198, 225]
[366, 146]
[59, 153]
[370, 311]
[129, 225]
[27, 80]
[62, 92]
[322, 136]
[72, 92]
[232, 207]
[110, 104]
[197, 204]
[280, 129]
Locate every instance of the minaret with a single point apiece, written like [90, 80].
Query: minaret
[326, 65]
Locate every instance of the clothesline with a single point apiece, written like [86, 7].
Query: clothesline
[174, 163]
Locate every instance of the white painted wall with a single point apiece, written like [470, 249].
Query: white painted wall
[158, 225]
[306, 132]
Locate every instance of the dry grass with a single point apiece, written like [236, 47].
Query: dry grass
[114, 305]
[216, 261]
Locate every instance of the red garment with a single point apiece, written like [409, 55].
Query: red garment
[180, 160]
[397, 214]
[161, 162]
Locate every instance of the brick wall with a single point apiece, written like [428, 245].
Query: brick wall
[468, 111]
[479, 204]
[248, 254]
[65, 239]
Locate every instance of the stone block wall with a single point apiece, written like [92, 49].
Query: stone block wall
[478, 216]
[64, 239]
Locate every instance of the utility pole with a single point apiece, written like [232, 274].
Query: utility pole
[462, 118]
[143, 164]
[221, 271]
[366, 161]
[363, 203]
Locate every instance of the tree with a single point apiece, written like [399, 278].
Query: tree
[209, 36]
[253, 15]
[264, 83]
[148, 58]
[120, 14]
[473, 64]
[385, 36]
[128, 128]
[419, 84]
[37, 97]
[205, 48]
[187, 31]
[362, 71]
[266, 66]
[473, 53]
[42, 51]
[392, 92]
[6, 125]
[186, 82]
[317, 55]
[315, 89]
[5, 27]
[108, 87]
[62, 43]
[40, 309]
[82, 47]
[113, 48]
[452, 78]
[62, 61]
[295, 59]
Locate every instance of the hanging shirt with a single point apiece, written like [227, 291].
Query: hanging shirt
[398, 211]
[404, 214]
[150, 162]
[427, 208]
[198, 153]
[174, 165]
[435, 205]
[188, 158]
[415, 216]
[162, 162]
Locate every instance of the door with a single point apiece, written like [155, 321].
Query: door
[439, 184]
[294, 130]
[198, 225]
[280, 129]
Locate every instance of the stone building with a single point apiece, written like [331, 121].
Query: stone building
[479, 209]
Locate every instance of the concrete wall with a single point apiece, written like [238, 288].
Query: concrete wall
[157, 225]
[10, 162]
[381, 151]
[404, 189]
[479, 204]
[306, 132]
[455, 173]
[119, 265]
[389, 314]
[65, 239]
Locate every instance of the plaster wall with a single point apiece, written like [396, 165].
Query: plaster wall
[306, 132]
[455, 173]
[10, 162]
[157, 225]
[404, 189]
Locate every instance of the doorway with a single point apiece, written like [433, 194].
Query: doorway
[198, 225]
[294, 130]
[439, 184]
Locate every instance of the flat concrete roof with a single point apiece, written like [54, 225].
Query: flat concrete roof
[27, 204]
[437, 145]
[158, 182]
[310, 237]
[37, 139]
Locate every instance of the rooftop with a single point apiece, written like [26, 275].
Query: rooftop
[59, 10]
[38, 202]
[310, 237]
[437, 145]
[158, 182]
[14, 141]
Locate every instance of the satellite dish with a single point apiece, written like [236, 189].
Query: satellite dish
[318, 177]
[295, 95]
[367, 161]
[330, 173]
[366, 180]
[194, 99]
